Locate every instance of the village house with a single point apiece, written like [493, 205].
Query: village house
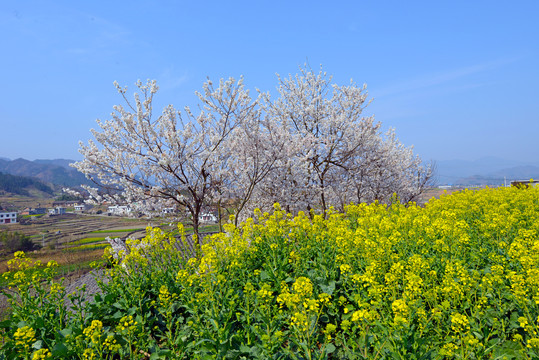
[8, 217]
[207, 217]
[79, 208]
[34, 211]
[119, 210]
[57, 211]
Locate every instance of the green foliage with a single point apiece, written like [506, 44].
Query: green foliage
[87, 241]
[86, 247]
[20, 184]
[114, 231]
[14, 241]
[455, 279]
[68, 197]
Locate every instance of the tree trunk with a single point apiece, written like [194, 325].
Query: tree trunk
[219, 216]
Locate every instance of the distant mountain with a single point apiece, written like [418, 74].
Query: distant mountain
[22, 185]
[56, 172]
[519, 173]
[58, 162]
[485, 171]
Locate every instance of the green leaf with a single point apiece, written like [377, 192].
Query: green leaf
[59, 351]
[65, 332]
[478, 335]
[21, 324]
[264, 275]
[39, 323]
[330, 348]
[507, 350]
[328, 289]
[161, 354]
[117, 305]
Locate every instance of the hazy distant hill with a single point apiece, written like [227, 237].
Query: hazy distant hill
[56, 162]
[485, 171]
[50, 171]
[22, 185]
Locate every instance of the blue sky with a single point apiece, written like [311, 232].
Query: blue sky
[458, 80]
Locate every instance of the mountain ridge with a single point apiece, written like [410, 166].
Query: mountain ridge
[56, 172]
[483, 171]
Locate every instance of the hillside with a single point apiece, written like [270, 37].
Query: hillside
[56, 172]
[22, 185]
[56, 162]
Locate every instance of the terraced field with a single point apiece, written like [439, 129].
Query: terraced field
[63, 231]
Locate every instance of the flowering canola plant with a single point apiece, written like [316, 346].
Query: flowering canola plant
[456, 278]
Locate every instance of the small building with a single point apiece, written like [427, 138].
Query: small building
[445, 187]
[169, 210]
[120, 210]
[57, 211]
[207, 217]
[34, 211]
[79, 208]
[8, 218]
[65, 203]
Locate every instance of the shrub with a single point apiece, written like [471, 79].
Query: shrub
[14, 241]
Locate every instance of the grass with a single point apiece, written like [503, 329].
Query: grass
[203, 229]
[69, 269]
[87, 241]
[61, 257]
[114, 231]
[87, 247]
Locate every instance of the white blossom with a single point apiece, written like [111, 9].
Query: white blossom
[309, 148]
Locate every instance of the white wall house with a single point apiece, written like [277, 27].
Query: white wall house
[120, 210]
[8, 217]
[207, 217]
[57, 210]
[82, 207]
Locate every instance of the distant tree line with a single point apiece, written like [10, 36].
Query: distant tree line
[69, 197]
[20, 184]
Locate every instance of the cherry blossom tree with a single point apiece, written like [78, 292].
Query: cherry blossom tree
[326, 129]
[177, 157]
[334, 154]
[308, 149]
[390, 170]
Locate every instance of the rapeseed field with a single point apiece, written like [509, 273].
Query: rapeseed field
[455, 279]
